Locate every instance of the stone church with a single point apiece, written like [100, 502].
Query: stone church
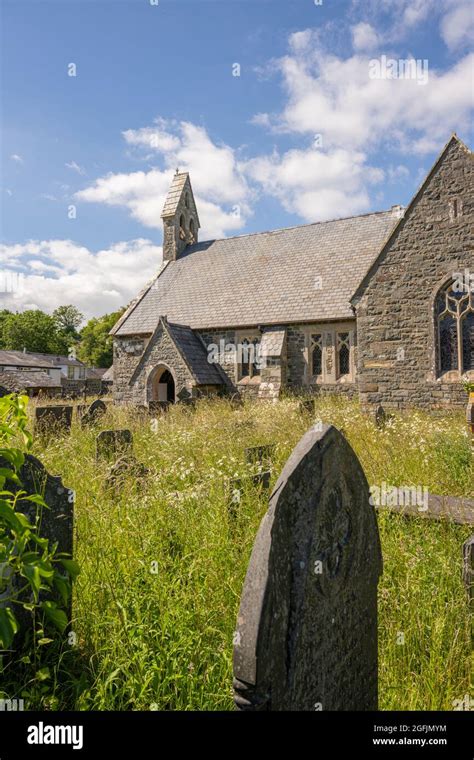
[379, 306]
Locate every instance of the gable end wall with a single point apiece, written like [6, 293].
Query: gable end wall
[396, 309]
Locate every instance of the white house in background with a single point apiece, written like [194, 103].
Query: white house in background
[57, 367]
[73, 369]
[21, 361]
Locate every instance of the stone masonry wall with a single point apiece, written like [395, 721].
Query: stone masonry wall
[297, 368]
[397, 363]
[133, 364]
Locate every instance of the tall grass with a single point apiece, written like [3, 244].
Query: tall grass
[163, 563]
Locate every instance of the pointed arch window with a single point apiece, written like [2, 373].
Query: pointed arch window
[454, 309]
[182, 227]
[316, 352]
[192, 233]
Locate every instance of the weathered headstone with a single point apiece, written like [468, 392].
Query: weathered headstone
[158, 406]
[306, 406]
[56, 523]
[236, 401]
[98, 408]
[306, 636]
[53, 419]
[468, 566]
[259, 454]
[380, 416]
[237, 486]
[112, 444]
[95, 411]
[126, 467]
[184, 397]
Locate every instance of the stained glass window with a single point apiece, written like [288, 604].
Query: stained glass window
[343, 353]
[245, 363]
[317, 354]
[468, 342]
[448, 343]
[455, 324]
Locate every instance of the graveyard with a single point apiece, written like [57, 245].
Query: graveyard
[167, 507]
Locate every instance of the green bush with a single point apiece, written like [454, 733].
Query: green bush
[30, 567]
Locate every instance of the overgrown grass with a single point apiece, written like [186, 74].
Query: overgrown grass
[163, 564]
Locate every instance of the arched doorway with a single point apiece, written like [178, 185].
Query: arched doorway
[163, 387]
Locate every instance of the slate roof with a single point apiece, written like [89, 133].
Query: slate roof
[20, 381]
[194, 354]
[57, 359]
[264, 278]
[21, 359]
[272, 341]
[35, 359]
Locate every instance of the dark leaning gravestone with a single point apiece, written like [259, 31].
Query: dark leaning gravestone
[306, 636]
[95, 411]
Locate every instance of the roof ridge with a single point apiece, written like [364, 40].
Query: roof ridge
[293, 227]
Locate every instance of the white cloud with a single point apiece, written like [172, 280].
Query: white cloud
[75, 167]
[400, 17]
[317, 185]
[336, 97]
[221, 190]
[56, 272]
[333, 96]
[457, 26]
[364, 37]
[18, 159]
[261, 120]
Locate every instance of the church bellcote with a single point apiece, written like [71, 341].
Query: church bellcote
[180, 218]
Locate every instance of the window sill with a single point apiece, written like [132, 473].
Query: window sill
[255, 380]
[455, 377]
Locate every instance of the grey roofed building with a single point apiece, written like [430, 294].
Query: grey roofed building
[24, 359]
[275, 277]
[58, 359]
[32, 382]
[361, 305]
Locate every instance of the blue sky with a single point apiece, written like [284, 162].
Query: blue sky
[303, 134]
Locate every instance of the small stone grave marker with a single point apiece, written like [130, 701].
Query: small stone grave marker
[111, 444]
[55, 419]
[306, 636]
[158, 406]
[306, 406]
[380, 416]
[185, 397]
[237, 486]
[259, 454]
[125, 467]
